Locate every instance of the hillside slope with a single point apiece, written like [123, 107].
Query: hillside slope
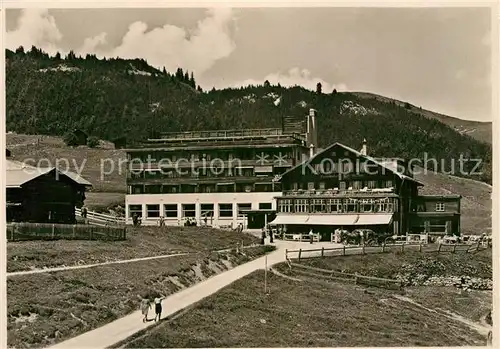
[481, 131]
[114, 98]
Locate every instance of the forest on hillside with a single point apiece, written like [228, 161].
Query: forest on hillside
[112, 98]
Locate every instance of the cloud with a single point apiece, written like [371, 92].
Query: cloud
[35, 27]
[168, 46]
[295, 76]
[91, 45]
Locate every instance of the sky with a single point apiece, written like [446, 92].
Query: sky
[436, 58]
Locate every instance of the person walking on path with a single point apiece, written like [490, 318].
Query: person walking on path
[311, 235]
[145, 306]
[158, 307]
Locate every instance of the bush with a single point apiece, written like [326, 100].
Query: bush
[93, 142]
[70, 139]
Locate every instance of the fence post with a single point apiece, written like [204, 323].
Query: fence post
[363, 249]
[355, 278]
[300, 252]
[383, 247]
[420, 248]
[286, 253]
[344, 250]
[53, 230]
[322, 251]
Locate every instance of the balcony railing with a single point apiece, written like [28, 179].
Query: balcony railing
[222, 133]
[339, 192]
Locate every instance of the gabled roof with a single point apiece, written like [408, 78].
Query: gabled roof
[349, 149]
[19, 173]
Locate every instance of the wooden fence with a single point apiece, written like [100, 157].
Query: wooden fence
[41, 231]
[361, 250]
[327, 274]
[100, 219]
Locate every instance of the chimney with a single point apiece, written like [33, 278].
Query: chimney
[363, 148]
[311, 150]
[312, 131]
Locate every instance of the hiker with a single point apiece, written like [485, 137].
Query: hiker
[145, 306]
[158, 307]
[161, 222]
[84, 214]
[263, 237]
[271, 235]
[311, 236]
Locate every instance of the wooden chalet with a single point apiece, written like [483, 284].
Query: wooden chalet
[43, 195]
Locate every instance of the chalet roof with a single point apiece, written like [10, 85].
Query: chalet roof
[349, 149]
[19, 173]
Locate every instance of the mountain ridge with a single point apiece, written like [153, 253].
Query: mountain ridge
[111, 98]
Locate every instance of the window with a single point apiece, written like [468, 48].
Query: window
[322, 185]
[149, 174]
[310, 186]
[371, 184]
[207, 210]
[225, 210]
[356, 185]
[265, 206]
[335, 205]
[263, 187]
[351, 205]
[188, 210]
[366, 205]
[300, 205]
[242, 208]
[388, 184]
[318, 206]
[440, 207]
[135, 209]
[384, 205]
[285, 205]
[347, 166]
[170, 210]
[342, 185]
[137, 189]
[295, 186]
[153, 189]
[152, 211]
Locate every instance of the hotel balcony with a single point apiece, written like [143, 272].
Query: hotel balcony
[245, 138]
[335, 192]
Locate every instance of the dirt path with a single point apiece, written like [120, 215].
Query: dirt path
[51, 270]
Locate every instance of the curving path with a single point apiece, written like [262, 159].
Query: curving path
[121, 329]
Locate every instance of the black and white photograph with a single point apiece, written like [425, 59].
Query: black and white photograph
[250, 175]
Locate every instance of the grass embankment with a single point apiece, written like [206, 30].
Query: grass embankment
[44, 309]
[306, 314]
[141, 242]
[393, 264]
